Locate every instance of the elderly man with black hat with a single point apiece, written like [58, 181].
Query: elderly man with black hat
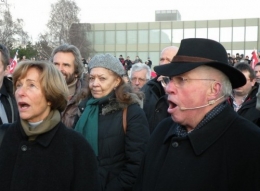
[204, 145]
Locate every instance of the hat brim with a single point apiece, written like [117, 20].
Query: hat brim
[236, 77]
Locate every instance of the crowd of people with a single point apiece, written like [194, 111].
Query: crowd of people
[234, 59]
[117, 127]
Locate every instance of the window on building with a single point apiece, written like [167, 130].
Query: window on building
[238, 34]
[189, 33]
[110, 37]
[201, 33]
[120, 37]
[131, 37]
[226, 34]
[166, 36]
[177, 35]
[252, 33]
[154, 36]
[143, 36]
[99, 37]
[213, 33]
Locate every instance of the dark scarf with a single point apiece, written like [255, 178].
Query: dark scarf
[87, 124]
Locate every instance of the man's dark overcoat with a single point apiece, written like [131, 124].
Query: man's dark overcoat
[222, 155]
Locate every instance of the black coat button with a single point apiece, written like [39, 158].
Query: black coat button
[175, 144]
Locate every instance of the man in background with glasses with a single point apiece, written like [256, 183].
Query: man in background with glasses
[204, 145]
[8, 106]
[155, 101]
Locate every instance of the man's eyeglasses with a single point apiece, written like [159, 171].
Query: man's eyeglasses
[178, 80]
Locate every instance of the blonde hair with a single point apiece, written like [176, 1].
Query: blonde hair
[52, 82]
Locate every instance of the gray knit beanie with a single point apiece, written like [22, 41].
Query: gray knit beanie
[107, 61]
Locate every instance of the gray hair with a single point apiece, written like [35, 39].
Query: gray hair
[139, 67]
[79, 68]
[226, 87]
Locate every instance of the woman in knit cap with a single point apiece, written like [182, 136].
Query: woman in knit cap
[118, 144]
[38, 152]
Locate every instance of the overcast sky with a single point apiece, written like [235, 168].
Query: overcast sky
[35, 13]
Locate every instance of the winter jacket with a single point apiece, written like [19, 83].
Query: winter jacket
[60, 160]
[224, 155]
[8, 101]
[70, 112]
[155, 103]
[120, 153]
[248, 109]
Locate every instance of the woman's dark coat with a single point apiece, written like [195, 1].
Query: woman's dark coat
[120, 153]
[222, 155]
[59, 160]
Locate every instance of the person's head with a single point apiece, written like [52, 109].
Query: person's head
[68, 60]
[198, 80]
[139, 75]
[4, 62]
[39, 88]
[167, 54]
[249, 74]
[257, 72]
[105, 75]
[127, 57]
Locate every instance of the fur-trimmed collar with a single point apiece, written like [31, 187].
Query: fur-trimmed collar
[113, 105]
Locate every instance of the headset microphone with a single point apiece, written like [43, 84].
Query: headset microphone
[211, 102]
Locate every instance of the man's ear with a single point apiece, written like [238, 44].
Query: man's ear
[214, 91]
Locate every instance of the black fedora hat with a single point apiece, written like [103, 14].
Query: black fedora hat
[195, 52]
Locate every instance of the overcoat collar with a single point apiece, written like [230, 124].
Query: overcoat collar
[203, 138]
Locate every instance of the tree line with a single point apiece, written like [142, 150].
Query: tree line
[63, 27]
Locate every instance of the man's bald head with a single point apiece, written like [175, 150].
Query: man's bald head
[167, 54]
